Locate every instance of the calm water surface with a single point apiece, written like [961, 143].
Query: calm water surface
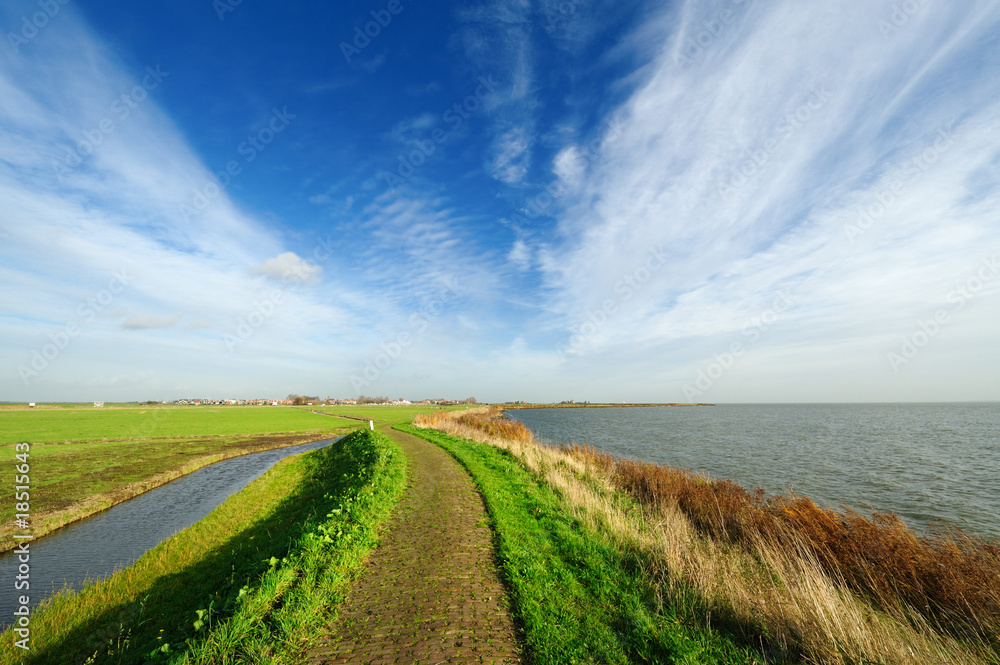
[925, 462]
[94, 548]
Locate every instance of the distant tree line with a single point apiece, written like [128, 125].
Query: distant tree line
[364, 399]
[300, 400]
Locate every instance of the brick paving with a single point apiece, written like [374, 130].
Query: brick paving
[430, 592]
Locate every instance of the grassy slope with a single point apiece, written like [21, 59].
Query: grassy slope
[265, 569]
[578, 597]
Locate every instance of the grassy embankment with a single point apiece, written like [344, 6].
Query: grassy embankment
[801, 583]
[251, 583]
[578, 596]
[84, 460]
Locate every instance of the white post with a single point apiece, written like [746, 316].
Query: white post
[371, 425]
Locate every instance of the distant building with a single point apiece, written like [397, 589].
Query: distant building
[98, 405]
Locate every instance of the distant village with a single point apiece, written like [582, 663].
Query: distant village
[301, 400]
[295, 400]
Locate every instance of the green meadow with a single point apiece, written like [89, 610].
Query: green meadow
[382, 413]
[84, 459]
[87, 423]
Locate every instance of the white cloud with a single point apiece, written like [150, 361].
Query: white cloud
[289, 267]
[520, 255]
[512, 156]
[414, 128]
[143, 322]
[568, 166]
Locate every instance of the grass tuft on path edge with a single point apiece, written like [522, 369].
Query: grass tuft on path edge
[577, 597]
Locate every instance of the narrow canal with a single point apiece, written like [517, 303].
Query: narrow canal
[94, 548]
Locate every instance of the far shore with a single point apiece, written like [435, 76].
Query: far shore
[588, 405]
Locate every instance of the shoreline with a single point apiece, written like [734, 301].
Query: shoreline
[511, 407]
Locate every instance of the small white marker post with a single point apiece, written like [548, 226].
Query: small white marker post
[371, 425]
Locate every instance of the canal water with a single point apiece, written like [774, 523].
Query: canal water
[928, 463]
[94, 548]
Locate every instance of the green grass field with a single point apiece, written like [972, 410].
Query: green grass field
[382, 414]
[84, 459]
[250, 583]
[90, 424]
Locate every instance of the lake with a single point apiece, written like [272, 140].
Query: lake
[926, 462]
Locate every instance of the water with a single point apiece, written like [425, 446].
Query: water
[94, 548]
[925, 462]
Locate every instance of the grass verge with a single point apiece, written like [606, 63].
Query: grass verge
[579, 596]
[73, 481]
[250, 583]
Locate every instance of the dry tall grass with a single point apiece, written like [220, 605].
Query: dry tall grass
[825, 587]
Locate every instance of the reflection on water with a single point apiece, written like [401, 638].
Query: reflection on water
[96, 547]
[925, 462]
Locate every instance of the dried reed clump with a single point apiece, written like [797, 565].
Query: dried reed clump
[831, 587]
[950, 577]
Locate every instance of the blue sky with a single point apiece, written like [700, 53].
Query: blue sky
[666, 201]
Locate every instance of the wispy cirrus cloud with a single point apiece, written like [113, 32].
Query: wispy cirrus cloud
[746, 159]
[512, 156]
[635, 185]
[496, 37]
[68, 231]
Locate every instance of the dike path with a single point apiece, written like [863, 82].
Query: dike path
[430, 592]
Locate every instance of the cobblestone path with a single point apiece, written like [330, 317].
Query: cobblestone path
[430, 592]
